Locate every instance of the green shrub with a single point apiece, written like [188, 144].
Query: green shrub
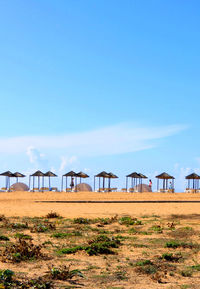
[72, 250]
[6, 275]
[157, 229]
[82, 221]
[61, 235]
[129, 221]
[143, 263]
[172, 244]
[196, 267]
[23, 236]
[19, 225]
[4, 238]
[186, 273]
[64, 273]
[99, 245]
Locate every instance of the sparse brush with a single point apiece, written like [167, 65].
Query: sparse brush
[157, 228]
[4, 238]
[22, 250]
[2, 218]
[99, 245]
[19, 226]
[43, 227]
[129, 221]
[52, 215]
[172, 257]
[23, 236]
[63, 273]
[82, 221]
[175, 244]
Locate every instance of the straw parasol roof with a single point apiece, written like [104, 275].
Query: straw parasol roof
[164, 176]
[142, 176]
[18, 175]
[103, 175]
[133, 175]
[38, 174]
[7, 174]
[50, 174]
[112, 176]
[70, 174]
[82, 175]
[192, 177]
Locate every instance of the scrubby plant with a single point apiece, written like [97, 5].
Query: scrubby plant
[19, 226]
[23, 236]
[99, 245]
[22, 250]
[4, 238]
[64, 273]
[157, 229]
[127, 220]
[82, 221]
[43, 227]
[171, 257]
[52, 215]
[143, 263]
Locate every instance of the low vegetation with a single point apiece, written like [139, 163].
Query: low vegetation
[107, 253]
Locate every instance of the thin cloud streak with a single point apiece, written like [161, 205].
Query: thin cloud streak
[121, 138]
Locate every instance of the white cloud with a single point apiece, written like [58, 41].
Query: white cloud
[117, 139]
[66, 161]
[36, 158]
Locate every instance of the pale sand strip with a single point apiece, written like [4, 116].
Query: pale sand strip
[23, 204]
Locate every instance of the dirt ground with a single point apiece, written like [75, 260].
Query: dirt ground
[152, 245]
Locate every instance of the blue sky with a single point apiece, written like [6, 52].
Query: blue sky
[100, 85]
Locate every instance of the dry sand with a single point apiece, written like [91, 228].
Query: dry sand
[26, 204]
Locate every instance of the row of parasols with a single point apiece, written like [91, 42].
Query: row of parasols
[136, 179]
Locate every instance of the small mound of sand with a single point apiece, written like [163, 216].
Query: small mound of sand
[83, 187]
[19, 187]
[143, 188]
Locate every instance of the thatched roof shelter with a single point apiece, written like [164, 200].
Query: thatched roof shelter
[82, 175]
[104, 175]
[165, 177]
[8, 175]
[18, 175]
[50, 174]
[37, 174]
[135, 179]
[111, 176]
[71, 174]
[195, 181]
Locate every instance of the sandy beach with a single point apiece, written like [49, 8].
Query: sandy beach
[38, 204]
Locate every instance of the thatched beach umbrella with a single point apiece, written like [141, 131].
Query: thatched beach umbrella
[103, 175]
[8, 175]
[18, 175]
[195, 181]
[111, 176]
[50, 174]
[36, 174]
[71, 174]
[82, 175]
[134, 177]
[165, 178]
